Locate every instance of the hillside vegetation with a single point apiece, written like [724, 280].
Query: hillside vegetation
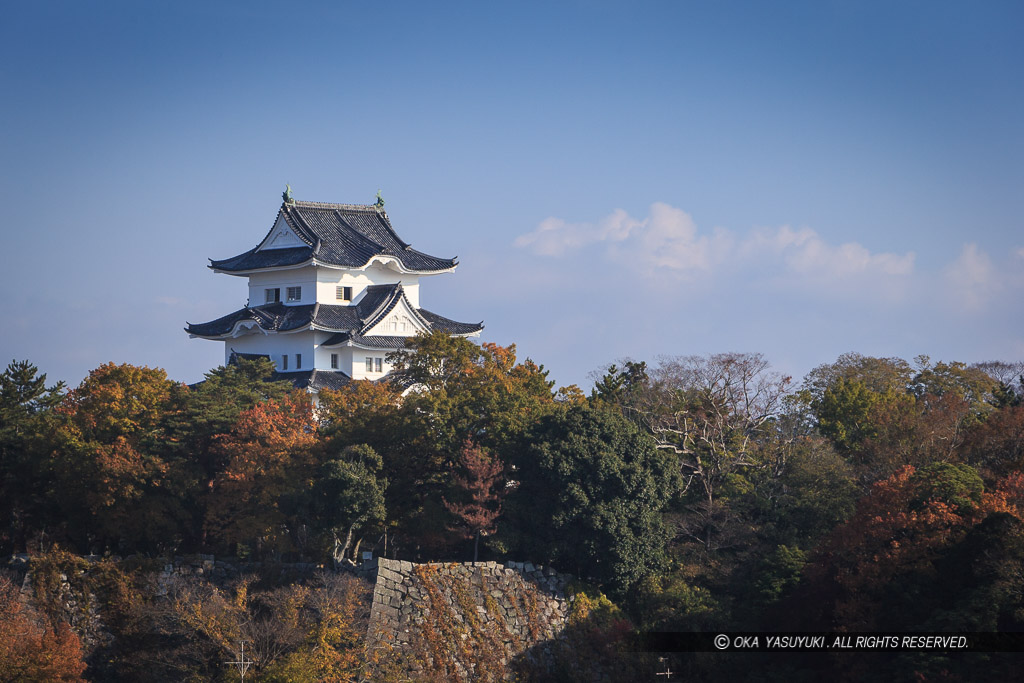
[695, 493]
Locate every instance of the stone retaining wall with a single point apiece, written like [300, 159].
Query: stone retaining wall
[466, 621]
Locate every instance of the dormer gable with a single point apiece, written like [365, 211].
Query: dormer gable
[281, 236]
[402, 321]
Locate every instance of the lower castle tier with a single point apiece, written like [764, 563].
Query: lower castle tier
[351, 296]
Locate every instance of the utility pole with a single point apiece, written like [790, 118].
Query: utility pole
[242, 664]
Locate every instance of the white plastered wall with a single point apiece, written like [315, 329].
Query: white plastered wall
[329, 279]
[276, 346]
[296, 277]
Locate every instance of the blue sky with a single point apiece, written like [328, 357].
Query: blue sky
[617, 179]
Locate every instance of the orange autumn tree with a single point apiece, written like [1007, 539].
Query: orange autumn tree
[269, 456]
[30, 648]
[109, 455]
[899, 529]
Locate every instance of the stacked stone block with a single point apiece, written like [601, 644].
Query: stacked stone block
[467, 621]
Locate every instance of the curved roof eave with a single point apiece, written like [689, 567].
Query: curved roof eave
[249, 271]
[389, 261]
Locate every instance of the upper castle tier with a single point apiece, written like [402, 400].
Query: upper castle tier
[332, 290]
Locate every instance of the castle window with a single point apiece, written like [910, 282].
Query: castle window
[284, 362]
[344, 293]
[272, 295]
[377, 363]
[294, 293]
[369, 364]
[298, 361]
[334, 361]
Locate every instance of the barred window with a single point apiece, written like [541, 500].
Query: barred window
[284, 362]
[298, 361]
[294, 293]
[369, 364]
[344, 293]
[334, 361]
[272, 295]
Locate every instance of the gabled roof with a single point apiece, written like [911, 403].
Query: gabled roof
[350, 322]
[314, 380]
[345, 235]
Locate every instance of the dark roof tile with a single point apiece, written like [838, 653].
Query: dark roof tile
[348, 321]
[339, 234]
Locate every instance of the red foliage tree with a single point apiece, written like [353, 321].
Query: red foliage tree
[482, 488]
[899, 528]
[31, 650]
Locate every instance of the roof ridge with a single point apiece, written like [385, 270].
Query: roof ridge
[332, 205]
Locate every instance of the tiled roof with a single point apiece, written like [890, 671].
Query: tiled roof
[439, 322]
[370, 341]
[271, 258]
[348, 321]
[339, 234]
[236, 356]
[271, 317]
[315, 380]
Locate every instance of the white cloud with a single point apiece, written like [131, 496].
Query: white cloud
[972, 278]
[803, 251]
[554, 236]
[669, 241]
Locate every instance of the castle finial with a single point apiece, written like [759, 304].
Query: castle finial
[380, 200]
[287, 195]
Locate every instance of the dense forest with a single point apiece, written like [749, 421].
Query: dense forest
[694, 493]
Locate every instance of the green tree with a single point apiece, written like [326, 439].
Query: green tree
[591, 492]
[972, 385]
[26, 405]
[348, 497]
[813, 491]
[619, 384]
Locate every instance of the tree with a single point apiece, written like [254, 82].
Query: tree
[110, 457]
[881, 560]
[591, 492]
[970, 384]
[996, 446]
[714, 413]
[618, 384]
[31, 650]
[348, 495]
[812, 491]
[213, 405]
[26, 405]
[847, 409]
[472, 391]
[269, 456]
[879, 375]
[459, 391]
[882, 416]
[483, 488]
